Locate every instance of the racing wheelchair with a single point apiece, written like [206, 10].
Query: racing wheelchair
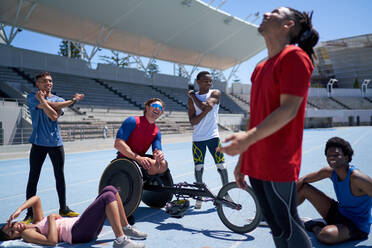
[237, 209]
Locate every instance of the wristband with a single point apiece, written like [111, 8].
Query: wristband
[73, 99]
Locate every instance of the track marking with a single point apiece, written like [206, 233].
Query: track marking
[361, 137]
[49, 189]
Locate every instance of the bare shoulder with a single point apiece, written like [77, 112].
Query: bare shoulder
[361, 183]
[359, 175]
[326, 171]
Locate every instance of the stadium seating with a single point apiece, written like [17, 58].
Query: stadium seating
[107, 103]
[355, 102]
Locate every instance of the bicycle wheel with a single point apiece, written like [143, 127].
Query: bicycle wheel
[245, 219]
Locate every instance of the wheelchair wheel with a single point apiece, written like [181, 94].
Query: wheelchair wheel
[126, 176]
[248, 217]
[156, 199]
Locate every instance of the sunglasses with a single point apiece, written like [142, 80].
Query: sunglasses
[157, 106]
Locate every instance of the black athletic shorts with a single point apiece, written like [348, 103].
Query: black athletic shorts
[335, 217]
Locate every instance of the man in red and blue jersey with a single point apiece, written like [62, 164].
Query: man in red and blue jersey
[138, 133]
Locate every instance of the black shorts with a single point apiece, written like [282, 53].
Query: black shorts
[335, 217]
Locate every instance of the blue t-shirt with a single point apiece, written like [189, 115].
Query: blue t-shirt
[144, 127]
[355, 208]
[45, 132]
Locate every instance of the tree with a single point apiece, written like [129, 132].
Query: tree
[152, 68]
[117, 59]
[216, 76]
[70, 49]
[356, 83]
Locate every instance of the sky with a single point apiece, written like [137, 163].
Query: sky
[334, 19]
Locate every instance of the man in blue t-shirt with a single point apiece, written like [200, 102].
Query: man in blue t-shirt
[45, 108]
[348, 218]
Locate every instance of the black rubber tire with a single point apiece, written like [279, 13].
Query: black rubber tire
[249, 194]
[126, 176]
[158, 199]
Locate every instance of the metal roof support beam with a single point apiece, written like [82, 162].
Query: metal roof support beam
[202, 55]
[160, 46]
[148, 74]
[256, 16]
[16, 27]
[233, 71]
[184, 73]
[3, 35]
[99, 40]
[222, 3]
[139, 63]
[97, 47]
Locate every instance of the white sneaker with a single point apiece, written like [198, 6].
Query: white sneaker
[198, 204]
[127, 243]
[133, 233]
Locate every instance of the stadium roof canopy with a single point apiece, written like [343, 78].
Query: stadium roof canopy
[182, 31]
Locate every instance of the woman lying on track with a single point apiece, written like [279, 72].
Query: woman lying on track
[52, 229]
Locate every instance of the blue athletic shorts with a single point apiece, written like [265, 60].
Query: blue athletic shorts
[199, 149]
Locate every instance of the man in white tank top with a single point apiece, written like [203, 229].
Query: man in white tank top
[203, 115]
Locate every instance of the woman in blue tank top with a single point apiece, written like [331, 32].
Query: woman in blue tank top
[348, 218]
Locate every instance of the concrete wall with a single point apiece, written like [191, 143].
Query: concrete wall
[350, 92]
[22, 58]
[239, 88]
[9, 113]
[342, 117]
[232, 121]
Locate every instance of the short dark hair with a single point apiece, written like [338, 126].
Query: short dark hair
[342, 144]
[202, 74]
[42, 74]
[3, 235]
[151, 100]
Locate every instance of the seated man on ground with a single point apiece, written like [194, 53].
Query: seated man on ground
[138, 133]
[348, 218]
[50, 230]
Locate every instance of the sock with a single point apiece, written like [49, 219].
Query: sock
[224, 176]
[127, 227]
[121, 239]
[199, 175]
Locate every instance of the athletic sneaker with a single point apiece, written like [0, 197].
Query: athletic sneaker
[133, 233]
[68, 212]
[127, 243]
[28, 219]
[198, 204]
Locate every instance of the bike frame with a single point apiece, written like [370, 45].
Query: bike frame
[186, 190]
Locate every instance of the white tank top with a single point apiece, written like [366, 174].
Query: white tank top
[207, 128]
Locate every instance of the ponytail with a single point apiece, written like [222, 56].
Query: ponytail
[304, 34]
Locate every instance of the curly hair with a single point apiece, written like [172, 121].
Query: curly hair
[342, 144]
[3, 235]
